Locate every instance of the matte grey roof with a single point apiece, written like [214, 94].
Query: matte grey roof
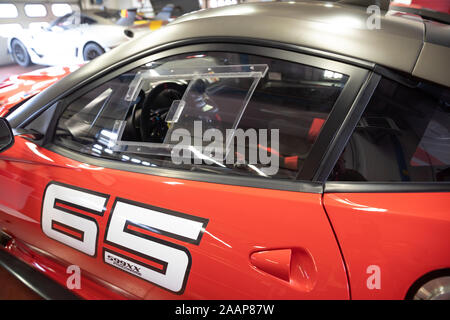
[333, 27]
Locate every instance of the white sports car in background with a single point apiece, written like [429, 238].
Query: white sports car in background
[71, 39]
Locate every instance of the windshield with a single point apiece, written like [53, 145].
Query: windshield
[64, 21]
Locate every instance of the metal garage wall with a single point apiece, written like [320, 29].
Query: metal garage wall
[7, 24]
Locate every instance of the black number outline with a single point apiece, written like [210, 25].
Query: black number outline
[68, 211]
[204, 222]
[126, 229]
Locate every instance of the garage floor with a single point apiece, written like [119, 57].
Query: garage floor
[12, 69]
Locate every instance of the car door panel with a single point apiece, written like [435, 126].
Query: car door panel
[240, 222]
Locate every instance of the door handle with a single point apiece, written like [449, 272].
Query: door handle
[295, 266]
[274, 262]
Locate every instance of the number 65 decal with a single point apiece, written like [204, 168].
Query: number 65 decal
[131, 228]
[64, 218]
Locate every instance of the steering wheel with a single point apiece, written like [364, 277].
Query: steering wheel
[153, 124]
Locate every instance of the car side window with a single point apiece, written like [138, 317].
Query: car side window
[213, 112]
[87, 20]
[65, 21]
[403, 135]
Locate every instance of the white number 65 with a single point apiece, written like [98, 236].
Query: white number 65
[64, 216]
[130, 227]
[67, 216]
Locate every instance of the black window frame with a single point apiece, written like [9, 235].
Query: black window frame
[305, 183]
[344, 134]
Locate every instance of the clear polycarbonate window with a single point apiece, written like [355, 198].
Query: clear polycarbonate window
[211, 112]
[207, 85]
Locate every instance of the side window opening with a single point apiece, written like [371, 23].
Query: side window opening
[134, 117]
[403, 135]
[87, 20]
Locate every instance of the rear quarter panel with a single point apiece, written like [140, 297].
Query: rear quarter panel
[406, 235]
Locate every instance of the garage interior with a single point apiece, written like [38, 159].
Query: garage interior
[35, 15]
[41, 22]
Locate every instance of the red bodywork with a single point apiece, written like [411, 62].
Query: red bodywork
[258, 243]
[436, 5]
[18, 88]
[241, 221]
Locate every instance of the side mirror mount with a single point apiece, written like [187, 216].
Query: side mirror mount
[6, 135]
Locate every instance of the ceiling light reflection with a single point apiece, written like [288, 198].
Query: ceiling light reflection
[360, 207]
[218, 239]
[34, 149]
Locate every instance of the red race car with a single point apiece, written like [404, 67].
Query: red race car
[260, 151]
[17, 89]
